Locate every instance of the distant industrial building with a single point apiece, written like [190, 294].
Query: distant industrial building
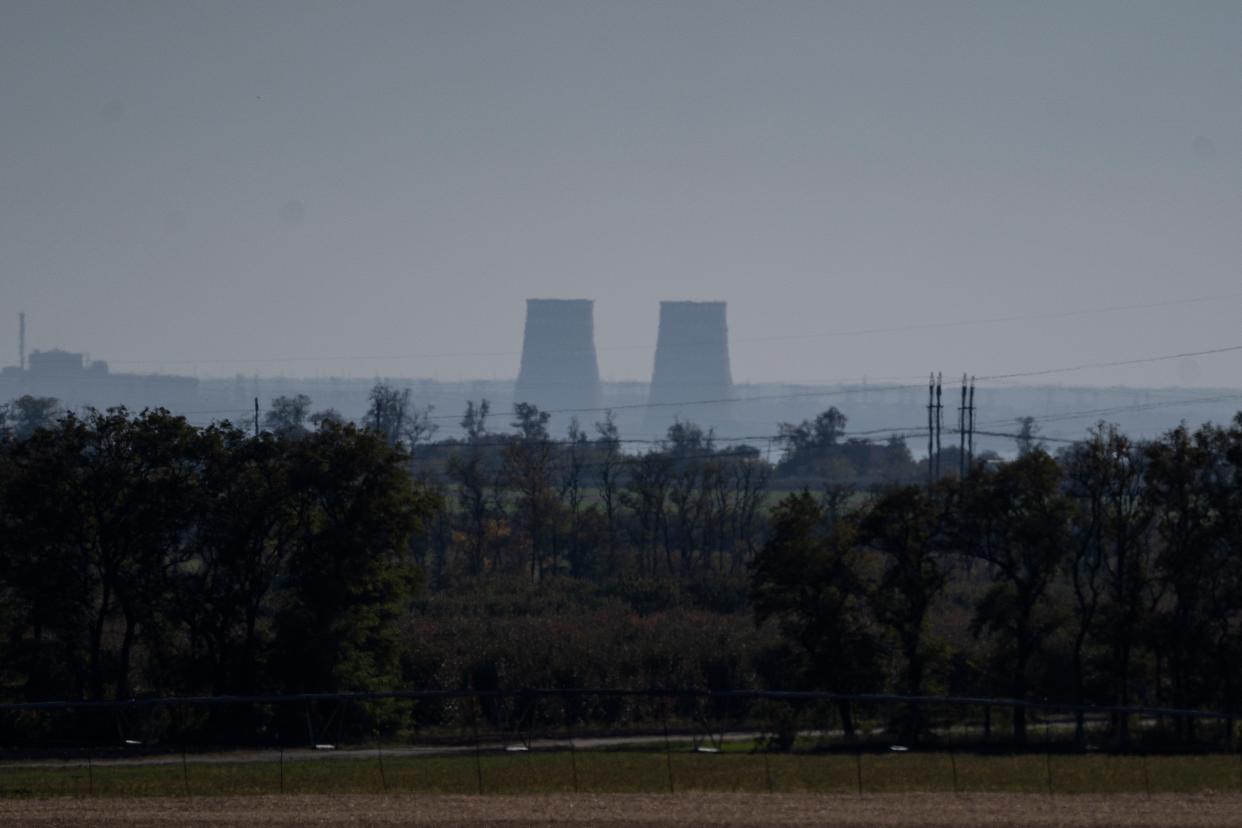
[559, 368]
[78, 382]
[691, 365]
[691, 381]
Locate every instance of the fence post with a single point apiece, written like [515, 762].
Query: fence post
[310, 728]
[573, 749]
[764, 749]
[668, 750]
[1048, 756]
[185, 767]
[858, 769]
[379, 752]
[478, 759]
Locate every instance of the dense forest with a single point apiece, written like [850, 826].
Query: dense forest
[142, 555]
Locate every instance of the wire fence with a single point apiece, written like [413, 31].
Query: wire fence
[600, 740]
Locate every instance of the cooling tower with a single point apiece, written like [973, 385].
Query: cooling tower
[691, 363]
[559, 369]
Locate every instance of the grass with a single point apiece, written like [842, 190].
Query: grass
[637, 771]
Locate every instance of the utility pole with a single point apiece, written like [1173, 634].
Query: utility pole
[256, 417]
[970, 411]
[21, 340]
[961, 432]
[931, 429]
[939, 421]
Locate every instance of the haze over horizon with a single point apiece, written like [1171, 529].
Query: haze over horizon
[375, 188]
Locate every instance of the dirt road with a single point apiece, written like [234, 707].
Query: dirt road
[645, 810]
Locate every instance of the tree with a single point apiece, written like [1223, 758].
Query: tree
[468, 468]
[1180, 478]
[349, 580]
[906, 526]
[646, 495]
[26, 414]
[528, 470]
[327, 415]
[824, 432]
[1113, 560]
[1090, 470]
[247, 531]
[1026, 436]
[99, 508]
[608, 449]
[287, 415]
[47, 589]
[474, 420]
[807, 577]
[685, 440]
[688, 446]
[1225, 611]
[572, 492]
[719, 525]
[1016, 521]
[531, 423]
[748, 474]
[816, 451]
[391, 416]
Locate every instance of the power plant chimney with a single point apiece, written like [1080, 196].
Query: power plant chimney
[691, 363]
[559, 368]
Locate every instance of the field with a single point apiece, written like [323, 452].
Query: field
[651, 810]
[628, 771]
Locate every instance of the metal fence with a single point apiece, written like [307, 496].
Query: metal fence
[481, 741]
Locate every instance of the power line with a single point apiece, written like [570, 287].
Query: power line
[1122, 409]
[921, 326]
[714, 401]
[881, 389]
[1113, 364]
[1043, 418]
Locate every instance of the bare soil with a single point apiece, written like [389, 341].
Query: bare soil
[648, 810]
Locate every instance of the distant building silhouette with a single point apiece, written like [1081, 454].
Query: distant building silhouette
[78, 382]
[691, 363]
[559, 368]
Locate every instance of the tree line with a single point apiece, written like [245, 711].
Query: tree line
[141, 554]
[1109, 573]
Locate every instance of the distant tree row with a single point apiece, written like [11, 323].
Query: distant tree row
[1109, 573]
[141, 553]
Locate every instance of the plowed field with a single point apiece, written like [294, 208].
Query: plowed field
[712, 810]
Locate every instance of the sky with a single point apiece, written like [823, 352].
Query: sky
[877, 189]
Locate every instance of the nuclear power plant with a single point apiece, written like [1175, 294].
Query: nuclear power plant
[559, 369]
[692, 374]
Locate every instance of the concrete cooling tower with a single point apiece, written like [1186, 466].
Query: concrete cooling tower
[691, 363]
[559, 369]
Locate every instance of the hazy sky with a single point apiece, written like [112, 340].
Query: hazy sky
[371, 188]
